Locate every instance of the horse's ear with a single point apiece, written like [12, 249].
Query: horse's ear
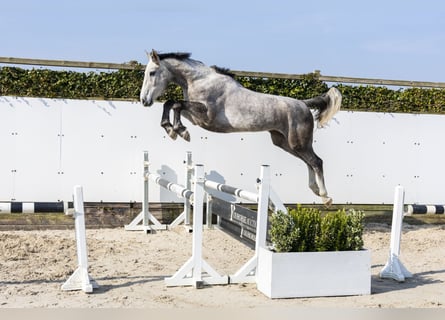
[154, 57]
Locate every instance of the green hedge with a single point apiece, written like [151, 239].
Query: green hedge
[307, 230]
[126, 84]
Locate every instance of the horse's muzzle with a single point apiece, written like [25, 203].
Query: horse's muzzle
[147, 103]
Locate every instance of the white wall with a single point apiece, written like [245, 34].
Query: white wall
[49, 145]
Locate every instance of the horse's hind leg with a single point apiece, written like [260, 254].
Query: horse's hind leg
[314, 164]
[165, 121]
[300, 141]
[312, 181]
[316, 177]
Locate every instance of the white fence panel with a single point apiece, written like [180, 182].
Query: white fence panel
[52, 144]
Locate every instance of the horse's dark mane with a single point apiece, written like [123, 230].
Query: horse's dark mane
[224, 71]
[175, 55]
[187, 55]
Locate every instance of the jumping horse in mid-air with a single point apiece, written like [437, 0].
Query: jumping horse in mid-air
[216, 102]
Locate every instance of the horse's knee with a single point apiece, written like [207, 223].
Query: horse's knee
[169, 103]
[176, 106]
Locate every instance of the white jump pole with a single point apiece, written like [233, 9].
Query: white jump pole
[80, 279]
[394, 268]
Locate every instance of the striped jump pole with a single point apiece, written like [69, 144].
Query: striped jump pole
[424, 209]
[33, 207]
[240, 193]
[171, 186]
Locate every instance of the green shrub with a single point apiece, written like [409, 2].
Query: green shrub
[283, 232]
[304, 229]
[126, 84]
[296, 231]
[355, 230]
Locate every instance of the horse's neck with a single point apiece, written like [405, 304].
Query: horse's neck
[184, 72]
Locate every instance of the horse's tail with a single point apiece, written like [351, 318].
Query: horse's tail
[327, 105]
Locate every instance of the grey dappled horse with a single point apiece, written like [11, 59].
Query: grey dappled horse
[215, 101]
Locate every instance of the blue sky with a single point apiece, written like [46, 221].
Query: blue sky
[378, 39]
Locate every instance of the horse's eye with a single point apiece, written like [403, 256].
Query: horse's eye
[152, 73]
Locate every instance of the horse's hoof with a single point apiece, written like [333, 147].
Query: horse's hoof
[183, 132]
[172, 134]
[185, 135]
[327, 201]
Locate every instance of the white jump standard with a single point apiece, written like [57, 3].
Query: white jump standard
[145, 220]
[191, 272]
[80, 279]
[196, 271]
[394, 268]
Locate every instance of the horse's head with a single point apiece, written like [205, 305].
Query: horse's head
[156, 79]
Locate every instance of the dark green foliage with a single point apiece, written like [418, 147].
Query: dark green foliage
[382, 99]
[126, 84]
[305, 230]
[296, 231]
[121, 84]
[305, 88]
[341, 231]
[283, 232]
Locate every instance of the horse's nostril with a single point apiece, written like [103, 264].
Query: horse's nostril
[145, 102]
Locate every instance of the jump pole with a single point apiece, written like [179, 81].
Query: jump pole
[394, 268]
[33, 207]
[196, 271]
[80, 279]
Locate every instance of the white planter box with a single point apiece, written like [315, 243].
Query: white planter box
[314, 274]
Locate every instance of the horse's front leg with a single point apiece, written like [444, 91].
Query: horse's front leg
[197, 113]
[165, 121]
[178, 127]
